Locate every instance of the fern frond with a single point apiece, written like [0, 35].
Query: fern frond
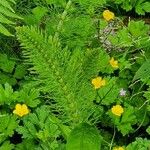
[64, 74]
[60, 72]
[6, 15]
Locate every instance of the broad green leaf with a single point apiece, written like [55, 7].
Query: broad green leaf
[39, 12]
[143, 72]
[146, 6]
[138, 28]
[84, 137]
[128, 119]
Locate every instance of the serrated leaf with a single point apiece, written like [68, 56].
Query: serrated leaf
[20, 71]
[146, 6]
[7, 146]
[5, 64]
[138, 28]
[29, 96]
[139, 144]
[7, 78]
[84, 137]
[128, 119]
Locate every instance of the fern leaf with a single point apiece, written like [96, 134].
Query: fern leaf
[6, 15]
[6, 5]
[60, 72]
[4, 31]
[5, 20]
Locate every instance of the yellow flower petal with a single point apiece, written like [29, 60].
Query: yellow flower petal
[98, 82]
[115, 148]
[25, 109]
[21, 110]
[18, 106]
[120, 148]
[114, 63]
[117, 110]
[108, 15]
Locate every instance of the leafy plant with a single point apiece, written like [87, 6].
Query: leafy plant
[7, 15]
[81, 80]
[84, 137]
[141, 6]
[40, 127]
[140, 143]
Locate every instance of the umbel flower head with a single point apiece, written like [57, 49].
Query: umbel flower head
[114, 63]
[98, 82]
[108, 15]
[117, 110]
[21, 110]
[118, 148]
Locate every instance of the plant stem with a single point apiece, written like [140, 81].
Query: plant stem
[63, 16]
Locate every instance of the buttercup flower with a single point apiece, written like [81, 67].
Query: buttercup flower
[108, 15]
[114, 63]
[21, 110]
[117, 110]
[98, 82]
[122, 92]
[118, 148]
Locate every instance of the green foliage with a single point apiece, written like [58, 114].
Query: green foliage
[141, 6]
[8, 124]
[7, 146]
[7, 14]
[84, 137]
[8, 96]
[125, 123]
[66, 45]
[60, 67]
[142, 144]
[11, 70]
[40, 127]
[36, 17]
[143, 72]
[134, 35]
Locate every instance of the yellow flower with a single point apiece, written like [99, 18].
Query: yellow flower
[21, 110]
[108, 15]
[117, 110]
[114, 63]
[118, 148]
[98, 82]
